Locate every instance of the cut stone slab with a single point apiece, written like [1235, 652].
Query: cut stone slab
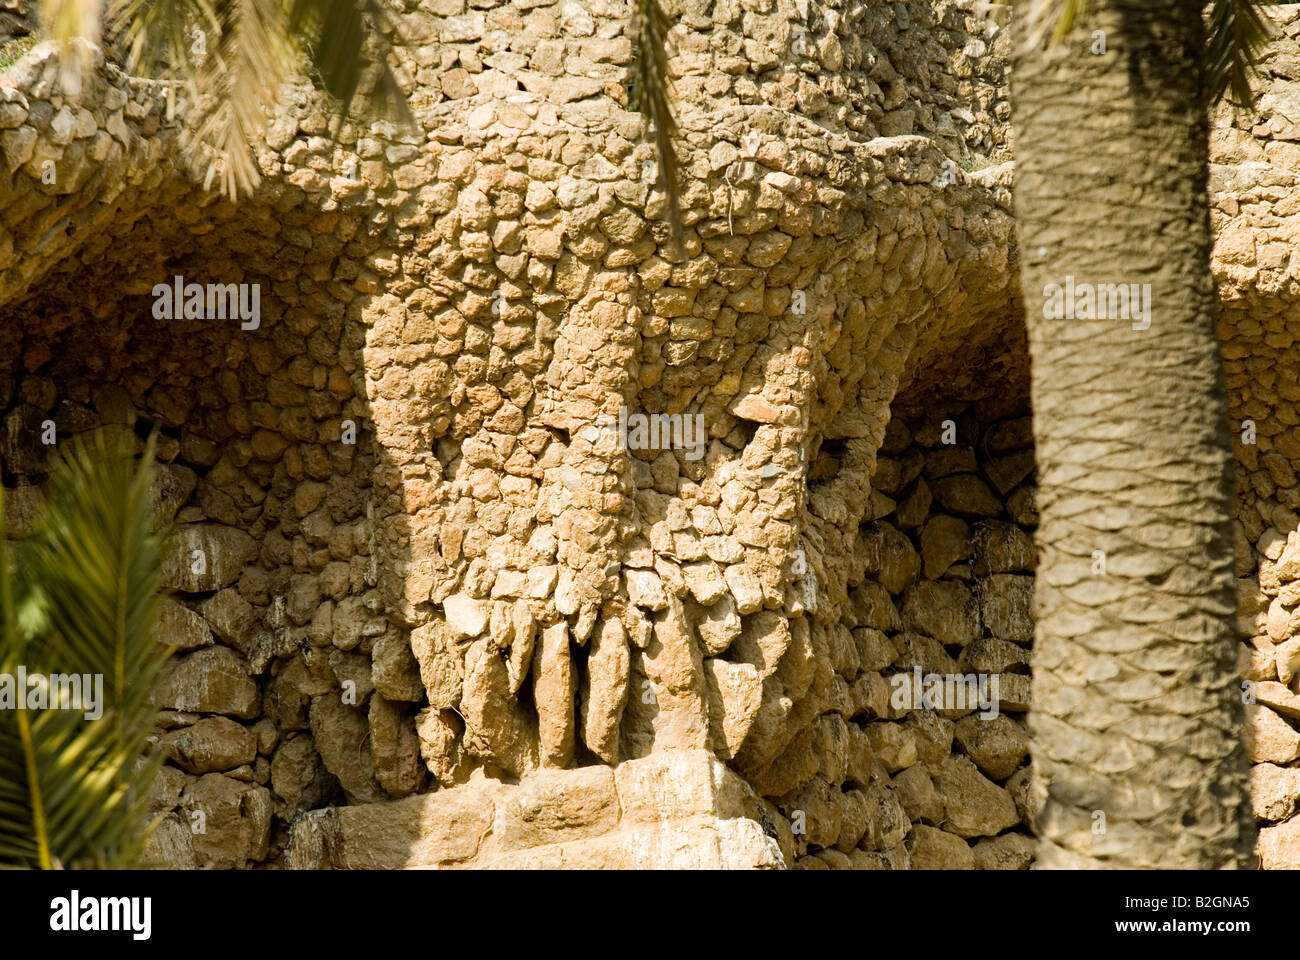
[554, 806]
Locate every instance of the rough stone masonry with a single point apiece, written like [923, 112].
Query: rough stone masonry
[443, 619]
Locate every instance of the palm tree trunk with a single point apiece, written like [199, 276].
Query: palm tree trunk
[1136, 717]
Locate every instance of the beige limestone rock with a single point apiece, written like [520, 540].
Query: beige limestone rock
[465, 615]
[698, 844]
[1279, 846]
[231, 618]
[554, 686]
[1011, 851]
[933, 734]
[991, 655]
[210, 680]
[997, 744]
[394, 746]
[719, 625]
[967, 495]
[944, 541]
[887, 822]
[874, 607]
[342, 738]
[1272, 694]
[556, 806]
[298, 777]
[395, 672]
[230, 821]
[893, 744]
[470, 479]
[178, 625]
[898, 563]
[1269, 738]
[170, 846]
[1006, 607]
[202, 557]
[1274, 791]
[605, 690]
[430, 829]
[440, 663]
[440, 745]
[1287, 657]
[211, 744]
[943, 610]
[973, 805]
[496, 728]
[1002, 548]
[929, 848]
[915, 791]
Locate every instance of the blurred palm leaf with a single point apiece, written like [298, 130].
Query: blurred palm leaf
[75, 792]
[1236, 35]
[230, 57]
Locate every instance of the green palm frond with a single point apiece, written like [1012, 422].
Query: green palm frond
[97, 561]
[83, 600]
[652, 89]
[1236, 35]
[240, 77]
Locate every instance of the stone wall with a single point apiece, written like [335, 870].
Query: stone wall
[941, 586]
[1256, 178]
[437, 587]
[17, 20]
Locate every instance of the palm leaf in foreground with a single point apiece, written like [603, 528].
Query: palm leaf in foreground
[231, 57]
[74, 792]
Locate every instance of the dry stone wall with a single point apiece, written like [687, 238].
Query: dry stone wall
[922, 759]
[17, 20]
[449, 575]
[1256, 177]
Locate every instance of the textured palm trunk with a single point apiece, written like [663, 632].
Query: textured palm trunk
[1137, 714]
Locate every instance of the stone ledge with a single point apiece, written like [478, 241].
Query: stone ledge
[678, 809]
